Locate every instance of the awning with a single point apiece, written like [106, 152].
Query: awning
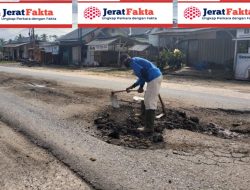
[240, 39]
[15, 45]
[98, 42]
[138, 48]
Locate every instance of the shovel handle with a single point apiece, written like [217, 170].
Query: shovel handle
[114, 92]
[162, 104]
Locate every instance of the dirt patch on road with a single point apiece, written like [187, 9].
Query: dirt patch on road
[120, 127]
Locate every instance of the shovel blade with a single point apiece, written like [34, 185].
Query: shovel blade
[160, 116]
[137, 98]
[114, 101]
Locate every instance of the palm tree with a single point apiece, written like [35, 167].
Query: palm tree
[44, 37]
[19, 37]
[53, 37]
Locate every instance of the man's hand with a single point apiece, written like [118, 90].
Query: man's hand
[131, 87]
[140, 90]
[128, 89]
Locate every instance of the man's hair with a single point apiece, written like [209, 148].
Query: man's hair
[125, 60]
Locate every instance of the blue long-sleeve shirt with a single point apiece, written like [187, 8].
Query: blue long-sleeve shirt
[144, 70]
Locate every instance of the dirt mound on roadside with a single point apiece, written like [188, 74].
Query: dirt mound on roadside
[119, 126]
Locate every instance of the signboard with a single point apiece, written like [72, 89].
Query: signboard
[52, 49]
[243, 33]
[36, 14]
[99, 48]
[217, 14]
[147, 13]
[242, 69]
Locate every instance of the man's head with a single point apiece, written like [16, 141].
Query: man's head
[125, 60]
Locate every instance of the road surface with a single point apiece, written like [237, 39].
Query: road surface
[214, 164]
[26, 166]
[193, 95]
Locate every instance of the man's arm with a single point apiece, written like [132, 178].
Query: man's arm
[140, 81]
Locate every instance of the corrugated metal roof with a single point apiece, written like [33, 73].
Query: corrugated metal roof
[138, 31]
[186, 31]
[101, 42]
[74, 34]
[15, 45]
[122, 31]
[179, 31]
[48, 44]
[138, 48]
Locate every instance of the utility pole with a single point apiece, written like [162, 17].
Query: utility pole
[119, 53]
[32, 41]
[80, 46]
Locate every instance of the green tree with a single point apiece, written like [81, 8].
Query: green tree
[170, 59]
[44, 37]
[53, 37]
[19, 37]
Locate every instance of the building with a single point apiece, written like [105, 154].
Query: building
[203, 47]
[242, 54]
[89, 46]
[144, 50]
[16, 50]
[21, 49]
[107, 51]
[49, 53]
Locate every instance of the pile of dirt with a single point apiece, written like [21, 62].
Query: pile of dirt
[120, 126]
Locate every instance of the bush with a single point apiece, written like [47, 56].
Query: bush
[172, 59]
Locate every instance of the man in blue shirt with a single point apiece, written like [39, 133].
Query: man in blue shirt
[148, 73]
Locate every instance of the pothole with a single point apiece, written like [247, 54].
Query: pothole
[119, 126]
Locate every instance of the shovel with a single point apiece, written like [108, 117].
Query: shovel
[115, 102]
[163, 108]
[113, 97]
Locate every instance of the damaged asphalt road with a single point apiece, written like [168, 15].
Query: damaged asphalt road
[107, 166]
[202, 97]
[23, 165]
